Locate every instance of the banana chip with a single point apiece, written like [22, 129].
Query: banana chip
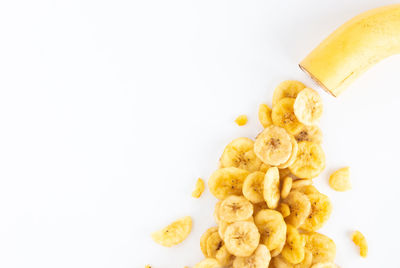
[284, 209]
[235, 208]
[307, 261]
[264, 115]
[214, 244]
[340, 180]
[278, 250]
[273, 146]
[271, 190]
[204, 238]
[307, 189]
[272, 228]
[308, 107]
[309, 133]
[280, 262]
[227, 181]
[286, 187]
[293, 251]
[287, 89]
[293, 156]
[322, 247]
[359, 239]
[240, 153]
[301, 183]
[300, 208]
[174, 233]
[259, 259]
[241, 238]
[208, 263]
[321, 209]
[253, 187]
[324, 265]
[241, 120]
[199, 188]
[283, 116]
[223, 225]
[310, 160]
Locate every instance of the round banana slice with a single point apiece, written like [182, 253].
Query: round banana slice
[241, 238]
[264, 115]
[217, 218]
[223, 225]
[273, 146]
[309, 133]
[283, 116]
[272, 228]
[307, 262]
[214, 244]
[278, 250]
[287, 89]
[174, 233]
[204, 238]
[253, 187]
[321, 209]
[240, 153]
[293, 251]
[322, 247]
[280, 262]
[324, 265]
[259, 259]
[310, 161]
[300, 208]
[340, 180]
[271, 190]
[227, 181]
[208, 263]
[301, 183]
[224, 257]
[293, 156]
[307, 189]
[308, 107]
[284, 209]
[235, 208]
[286, 187]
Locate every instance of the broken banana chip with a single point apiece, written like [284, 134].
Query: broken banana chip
[272, 228]
[359, 239]
[241, 238]
[283, 116]
[264, 115]
[287, 89]
[174, 233]
[253, 187]
[286, 187]
[340, 180]
[284, 209]
[271, 189]
[321, 209]
[227, 181]
[308, 107]
[310, 161]
[259, 259]
[199, 188]
[241, 120]
[322, 247]
[235, 208]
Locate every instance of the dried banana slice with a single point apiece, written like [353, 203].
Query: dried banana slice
[241, 238]
[227, 181]
[301, 183]
[223, 225]
[174, 233]
[286, 187]
[224, 257]
[208, 263]
[324, 265]
[217, 218]
[264, 115]
[359, 239]
[307, 262]
[307, 189]
[253, 187]
[293, 251]
[204, 238]
[235, 208]
[280, 262]
[284, 209]
[278, 250]
[340, 180]
[241, 120]
[273, 146]
[309, 133]
[199, 188]
[259, 259]
[283, 116]
[300, 208]
[287, 89]
[310, 161]
[214, 244]
[293, 156]
[322, 247]
[321, 209]
[272, 228]
[308, 107]
[271, 190]
[240, 153]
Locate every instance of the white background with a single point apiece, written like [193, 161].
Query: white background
[110, 111]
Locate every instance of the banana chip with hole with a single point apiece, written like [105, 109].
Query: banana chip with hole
[174, 233]
[310, 161]
[271, 190]
[308, 107]
[272, 228]
[241, 238]
[227, 181]
[287, 89]
[253, 187]
[235, 208]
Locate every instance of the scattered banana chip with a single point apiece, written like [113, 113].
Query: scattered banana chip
[259, 259]
[240, 153]
[283, 116]
[284, 209]
[307, 261]
[280, 262]
[300, 208]
[241, 238]
[309, 133]
[227, 181]
[199, 188]
[174, 233]
[253, 187]
[324, 265]
[241, 120]
[293, 250]
[321, 209]
[293, 156]
[322, 247]
[310, 161]
[287, 89]
[204, 238]
[273, 146]
[264, 115]
[340, 180]
[308, 107]
[272, 228]
[286, 187]
[208, 263]
[271, 190]
[301, 183]
[235, 208]
[359, 239]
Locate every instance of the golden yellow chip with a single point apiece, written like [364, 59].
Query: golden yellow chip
[280, 262]
[204, 238]
[264, 115]
[340, 180]
[174, 233]
[199, 188]
[283, 116]
[287, 89]
[359, 239]
[241, 238]
[301, 183]
[227, 181]
[253, 187]
[309, 133]
[284, 209]
[259, 259]
[324, 265]
[310, 161]
[307, 261]
[272, 228]
[300, 208]
[147, 266]
[241, 120]
[208, 263]
[322, 247]
[213, 244]
[271, 187]
[235, 208]
[321, 209]
[224, 257]
[286, 187]
[293, 251]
